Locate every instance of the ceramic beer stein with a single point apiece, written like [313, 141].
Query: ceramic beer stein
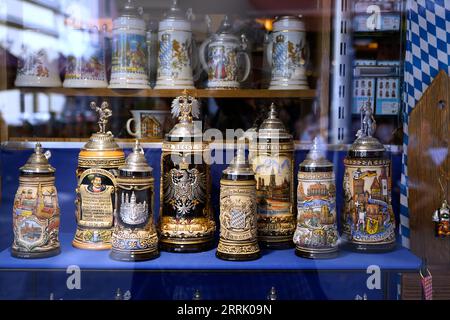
[238, 226]
[316, 235]
[36, 210]
[147, 123]
[272, 159]
[186, 222]
[98, 164]
[38, 66]
[129, 68]
[175, 51]
[368, 217]
[287, 53]
[87, 69]
[223, 50]
[134, 235]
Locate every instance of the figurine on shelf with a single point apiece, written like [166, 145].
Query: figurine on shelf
[36, 211]
[186, 221]
[368, 218]
[441, 219]
[129, 68]
[98, 164]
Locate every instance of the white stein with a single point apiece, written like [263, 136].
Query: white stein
[287, 54]
[222, 51]
[38, 64]
[129, 50]
[174, 51]
[147, 123]
[86, 67]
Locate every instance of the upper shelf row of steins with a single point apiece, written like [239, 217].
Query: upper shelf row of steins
[223, 55]
[114, 196]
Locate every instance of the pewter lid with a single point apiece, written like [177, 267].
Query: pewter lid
[131, 17]
[102, 140]
[288, 23]
[38, 161]
[185, 107]
[365, 142]
[136, 162]
[239, 165]
[316, 156]
[272, 127]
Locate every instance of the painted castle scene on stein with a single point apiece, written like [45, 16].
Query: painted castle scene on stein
[368, 211]
[317, 212]
[273, 185]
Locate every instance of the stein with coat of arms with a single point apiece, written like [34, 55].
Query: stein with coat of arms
[186, 222]
[368, 217]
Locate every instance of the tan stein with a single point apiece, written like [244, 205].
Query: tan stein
[317, 234]
[186, 222]
[98, 164]
[238, 228]
[272, 160]
[368, 217]
[134, 235]
[36, 210]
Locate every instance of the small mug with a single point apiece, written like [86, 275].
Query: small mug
[147, 123]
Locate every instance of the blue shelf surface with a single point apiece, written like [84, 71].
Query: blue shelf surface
[399, 260]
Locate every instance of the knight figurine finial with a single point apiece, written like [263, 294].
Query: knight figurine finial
[368, 123]
[104, 112]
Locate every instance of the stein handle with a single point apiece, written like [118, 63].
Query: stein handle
[247, 66]
[47, 154]
[134, 134]
[202, 54]
[269, 49]
[195, 61]
[246, 58]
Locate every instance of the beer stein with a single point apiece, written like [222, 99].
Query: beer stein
[129, 50]
[287, 53]
[86, 69]
[222, 51]
[147, 123]
[36, 210]
[316, 235]
[37, 66]
[186, 222]
[368, 217]
[272, 160]
[134, 235]
[174, 51]
[98, 164]
[238, 228]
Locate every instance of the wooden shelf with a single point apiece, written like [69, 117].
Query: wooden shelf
[171, 93]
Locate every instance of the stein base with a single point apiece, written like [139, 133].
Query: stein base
[316, 255]
[132, 256]
[91, 246]
[128, 86]
[277, 245]
[40, 83]
[238, 257]
[35, 255]
[186, 247]
[370, 248]
[175, 87]
[289, 87]
[78, 83]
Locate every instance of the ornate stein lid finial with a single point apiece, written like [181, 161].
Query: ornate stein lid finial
[272, 127]
[186, 108]
[101, 140]
[239, 165]
[38, 161]
[365, 140]
[136, 161]
[316, 156]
